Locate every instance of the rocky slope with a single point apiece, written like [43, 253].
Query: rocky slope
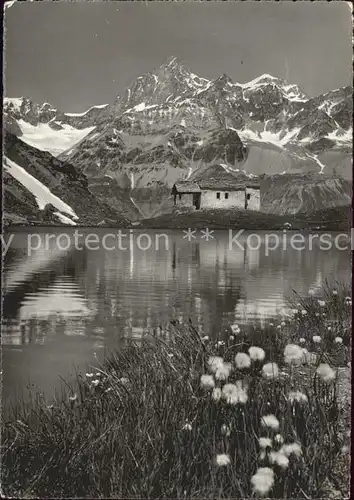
[171, 123]
[291, 194]
[38, 188]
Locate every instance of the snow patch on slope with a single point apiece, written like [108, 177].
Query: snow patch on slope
[259, 80]
[319, 163]
[14, 102]
[93, 136]
[64, 219]
[268, 137]
[140, 107]
[42, 194]
[54, 141]
[345, 137]
[99, 106]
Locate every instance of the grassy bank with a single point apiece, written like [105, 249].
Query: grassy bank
[331, 219]
[256, 413]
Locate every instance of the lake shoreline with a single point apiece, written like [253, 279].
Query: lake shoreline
[145, 408]
[330, 219]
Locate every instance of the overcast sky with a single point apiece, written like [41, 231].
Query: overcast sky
[76, 54]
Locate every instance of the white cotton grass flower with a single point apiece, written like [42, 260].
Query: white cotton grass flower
[317, 339]
[293, 354]
[235, 329]
[207, 381]
[338, 340]
[311, 292]
[214, 362]
[216, 394]
[205, 338]
[265, 442]
[325, 372]
[73, 397]
[278, 439]
[321, 303]
[187, 426]
[220, 343]
[270, 371]
[226, 430]
[242, 360]
[256, 353]
[222, 460]
[270, 421]
[334, 292]
[279, 458]
[234, 393]
[283, 323]
[123, 380]
[279, 327]
[223, 371]
[263, 481]
[232, 337]
[95, 382]
[302, 340]
[304, 312]
[89, 375]
[297, 396]
[291, 449]
[348, 299]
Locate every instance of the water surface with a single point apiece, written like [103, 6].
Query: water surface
[63, 308]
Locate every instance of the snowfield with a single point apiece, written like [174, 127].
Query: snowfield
[41, 193]
[346, 137]
[99, 106]
[64, 219]
[268, 137]
[54, 141]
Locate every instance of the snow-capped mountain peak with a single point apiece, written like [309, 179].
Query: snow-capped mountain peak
[265, 78]
[173, 104]
[45, 127]
[173, 63]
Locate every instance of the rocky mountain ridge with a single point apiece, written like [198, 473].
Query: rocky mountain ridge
[171, 123]
[38, 188]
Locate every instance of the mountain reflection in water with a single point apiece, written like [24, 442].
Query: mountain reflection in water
[61, 309]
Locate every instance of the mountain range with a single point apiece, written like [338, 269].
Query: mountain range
[171, 125]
